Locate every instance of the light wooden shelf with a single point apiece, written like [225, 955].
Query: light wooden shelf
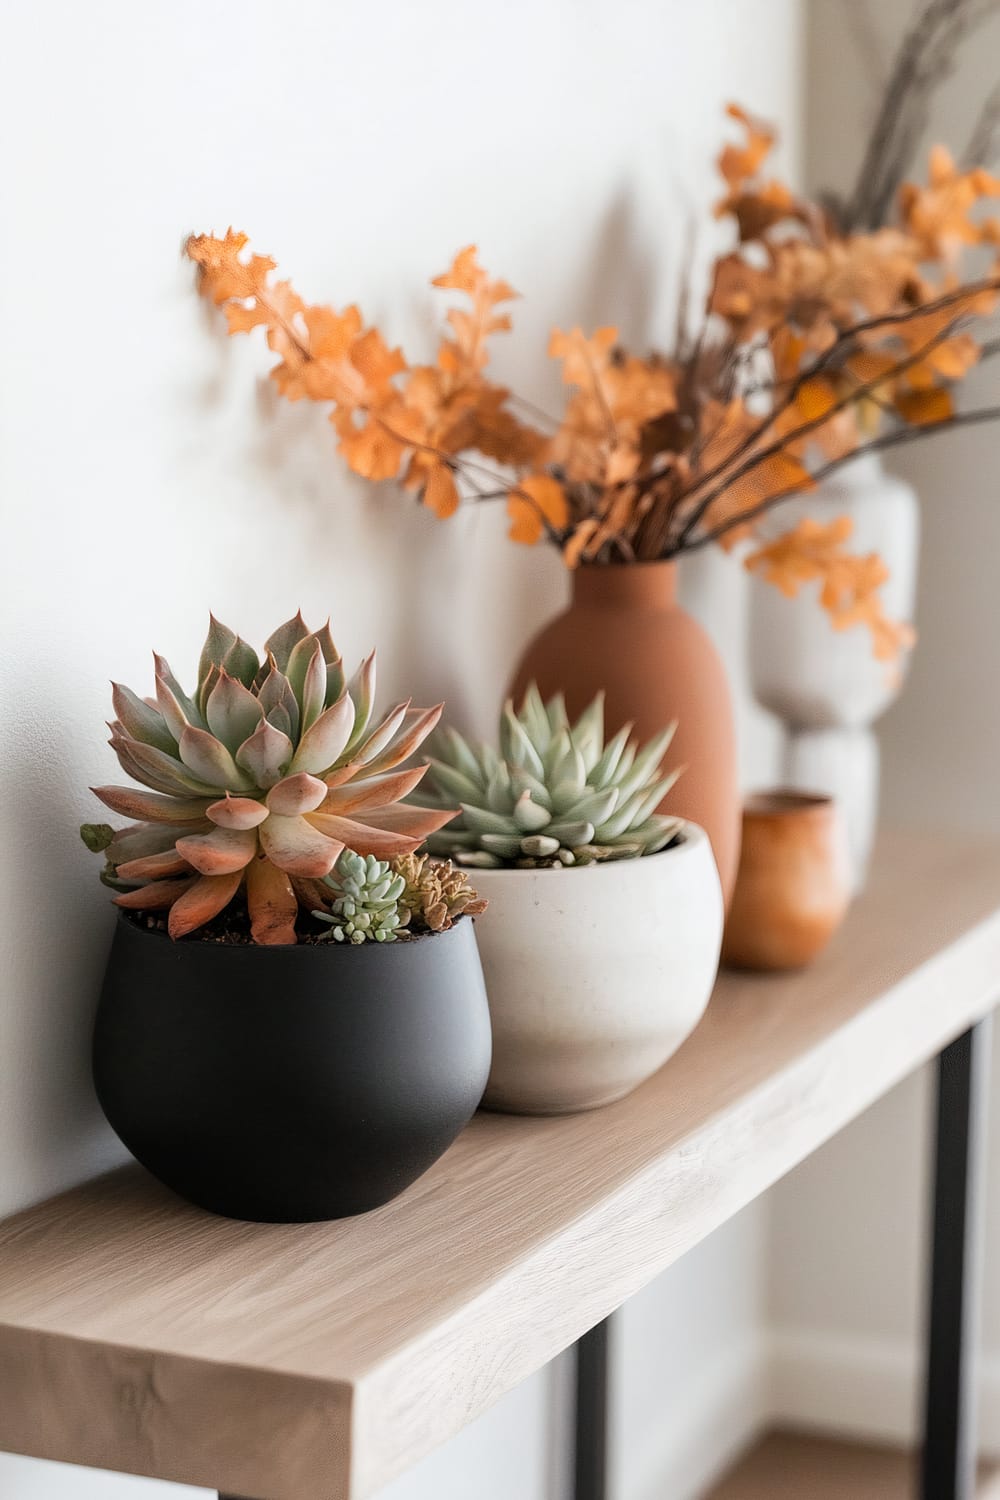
[315, 1362]
[798, 1466]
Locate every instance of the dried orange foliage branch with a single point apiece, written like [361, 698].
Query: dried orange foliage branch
[393, 420]
[815, 343]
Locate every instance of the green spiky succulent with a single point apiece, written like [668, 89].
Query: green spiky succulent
[366, 900]
[554, 793]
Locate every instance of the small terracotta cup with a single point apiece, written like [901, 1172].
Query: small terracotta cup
[793, 885]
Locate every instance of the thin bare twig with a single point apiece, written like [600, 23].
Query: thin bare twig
[805, 429]
[926, 56]
[983, 147]
[847, 342]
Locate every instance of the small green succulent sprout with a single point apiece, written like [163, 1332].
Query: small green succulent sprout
[553, 793]
[366, 905]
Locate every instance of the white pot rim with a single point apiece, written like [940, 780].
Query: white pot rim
[692, 837]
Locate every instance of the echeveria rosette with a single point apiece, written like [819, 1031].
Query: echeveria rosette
[259, 781]
[553, 793]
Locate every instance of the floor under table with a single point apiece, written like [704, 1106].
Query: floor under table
[799, 1466]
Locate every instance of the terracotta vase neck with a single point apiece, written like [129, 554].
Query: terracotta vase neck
[642, 586]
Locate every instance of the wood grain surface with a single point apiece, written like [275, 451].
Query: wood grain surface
[314, 1362]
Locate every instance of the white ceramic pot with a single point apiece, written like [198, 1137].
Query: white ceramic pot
[596, 975]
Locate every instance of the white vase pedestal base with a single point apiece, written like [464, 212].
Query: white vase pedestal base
[843, 763]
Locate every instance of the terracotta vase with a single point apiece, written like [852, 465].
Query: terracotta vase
[625, 633]
[794, 883]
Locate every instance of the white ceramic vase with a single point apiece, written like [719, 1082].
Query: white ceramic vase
[824, 684]
[595, 975]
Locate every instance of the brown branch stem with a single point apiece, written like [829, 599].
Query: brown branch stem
[878, 445]
[805, 429]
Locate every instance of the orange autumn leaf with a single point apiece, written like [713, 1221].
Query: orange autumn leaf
[538, 499]
[939, 215]
[467, 351]
[923, 408]
[755, 205]
[779, 473]
[441, 492]
[583, 359]
[616, 397]
[822, 414]
[223, 275]
[738, 161]
[849, 584]
[374, 443]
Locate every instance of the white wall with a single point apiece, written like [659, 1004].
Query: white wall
[148, 473]
[848, 1228]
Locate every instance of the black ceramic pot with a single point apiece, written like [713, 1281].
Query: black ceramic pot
[288, 1084]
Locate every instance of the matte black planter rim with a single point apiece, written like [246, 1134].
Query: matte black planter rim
[130, 919]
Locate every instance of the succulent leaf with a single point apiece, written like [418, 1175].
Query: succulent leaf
[361, 691]
[297, 846]
[219, 852]
[219, 641]
[314, 688]
[610, 759]
[325, 741]
[241, 662]
[233, 712]
[272, 903]
[201, 902]
[282, 642]
[236, 812]
[374, 792]
[141, 721]
[276, 697]
[266, 754]
[454, 782]
[150, 805]
[159, 895]
[96, 836]
[417, 725]
[460, 754]
[588, 733]
[529, 816]
[155, 769]
[175, 706]
[555, 794]
[296, 794]
[381, 737]
[140, 840]
[153, 867]
[304, 653]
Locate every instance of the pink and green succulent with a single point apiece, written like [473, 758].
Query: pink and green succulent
[257, 782]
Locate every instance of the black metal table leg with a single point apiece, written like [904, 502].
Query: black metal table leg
[948, 1462]
[590, 1456]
